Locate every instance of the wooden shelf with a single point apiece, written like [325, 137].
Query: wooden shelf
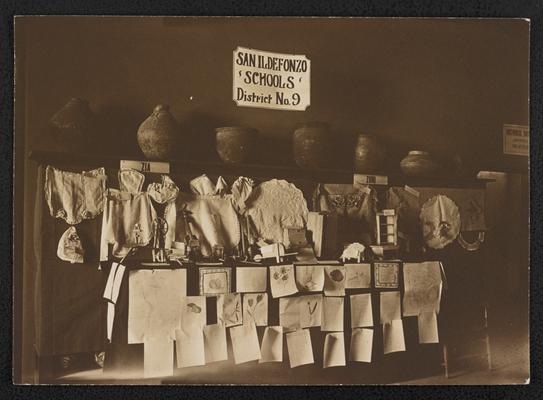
[62, 159]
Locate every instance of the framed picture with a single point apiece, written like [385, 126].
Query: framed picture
[215, 281]
[386, 274]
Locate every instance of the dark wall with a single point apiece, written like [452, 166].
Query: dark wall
[447, 86]
[443, 85]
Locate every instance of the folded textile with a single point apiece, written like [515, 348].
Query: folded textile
[74, 196]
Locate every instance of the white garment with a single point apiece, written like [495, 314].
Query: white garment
[214, 219]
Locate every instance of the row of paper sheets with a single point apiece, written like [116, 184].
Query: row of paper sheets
[198, 346]
[151, 314]
[195, 347]
[287, 279]
[157, 305]
[422, 281]
[326, 312]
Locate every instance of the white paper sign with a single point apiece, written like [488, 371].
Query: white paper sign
[271, 80]
[516, 140]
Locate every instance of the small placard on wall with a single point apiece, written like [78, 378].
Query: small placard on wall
[516, 140]
[157, 167]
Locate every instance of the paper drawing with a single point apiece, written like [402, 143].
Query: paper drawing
[334, 280]
[193, 313]
[357, 276]
[282, 281]
[154, 303]
[255, 308]
[422, 284]
[214, 281]
[386, 274]
[310, 278]
[229, 309]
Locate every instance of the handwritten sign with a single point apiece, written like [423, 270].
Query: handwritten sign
[516, 140]
[271, 80]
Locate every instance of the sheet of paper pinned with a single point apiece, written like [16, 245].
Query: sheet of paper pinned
[332, 314]
[251, 279]
[154, 303]
[282, 280]
[334, 350]
[422, 285]
[289, 313]
[299, 348]
[215, 343]
[193, 313]
[110, 319]
[214, 281]
[386, 275]
[310, 308]
[310, 278]
[300, 312]
[189, 346]
[427, 326]
[272, 344]
[114, 280]
[255, 308]
[361, 345]
[357, 276]
[334, 280]
[157, 357]
[245, 343]
[393, 339]
[390, 307]
[361, 310]
[229, 309]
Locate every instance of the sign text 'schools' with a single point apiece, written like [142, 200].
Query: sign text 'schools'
[271, 80]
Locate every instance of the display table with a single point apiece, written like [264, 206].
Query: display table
[71, 313]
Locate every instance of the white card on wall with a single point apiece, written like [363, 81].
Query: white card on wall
[516, 140]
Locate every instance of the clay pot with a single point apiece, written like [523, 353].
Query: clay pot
[235, 144]
[71, 127]
[312, 145]
[157, 135]
[369, 155]
[419, 163]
